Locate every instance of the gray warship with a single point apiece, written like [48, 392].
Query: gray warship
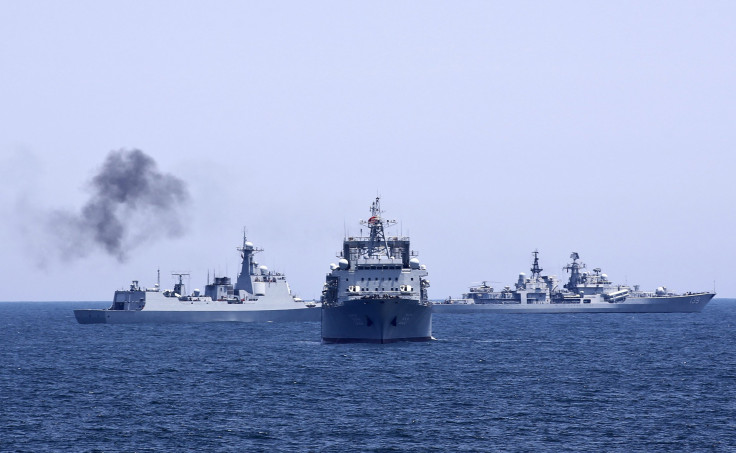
[584, 292]
[377, 292]
[259, 295]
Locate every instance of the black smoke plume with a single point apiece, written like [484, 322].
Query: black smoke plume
[131, 203]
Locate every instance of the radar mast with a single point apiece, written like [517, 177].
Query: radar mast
[179, 287]
[536, 270]
[248, 265]
[377, 244]
[574, 269]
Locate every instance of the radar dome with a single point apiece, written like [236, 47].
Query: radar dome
[423, 267]
[263, 269]
[414, 263]
[343, 263]
[249, 244]
[604, 276]
[333, 266]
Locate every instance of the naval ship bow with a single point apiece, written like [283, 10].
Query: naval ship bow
[377, 292]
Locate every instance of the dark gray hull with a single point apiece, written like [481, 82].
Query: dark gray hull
[690, 303]
[377, 321]
[85, 316]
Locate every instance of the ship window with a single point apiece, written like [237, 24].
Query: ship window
[412, 279]
[362, 279]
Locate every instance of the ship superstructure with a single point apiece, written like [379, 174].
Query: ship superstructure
[258, 295]
[377, 292]
[584, 292]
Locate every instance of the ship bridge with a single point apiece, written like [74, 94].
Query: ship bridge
[362, 253]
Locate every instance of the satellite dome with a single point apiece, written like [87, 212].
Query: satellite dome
[249, 244]
[343, 263]
[414, 263]
[333, 266]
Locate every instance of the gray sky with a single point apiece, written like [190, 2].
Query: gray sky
[489, 128]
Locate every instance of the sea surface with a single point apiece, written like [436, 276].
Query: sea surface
[489, 382]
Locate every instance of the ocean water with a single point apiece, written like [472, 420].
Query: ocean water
[574, 382]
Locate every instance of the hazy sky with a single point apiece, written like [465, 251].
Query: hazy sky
[490, 129]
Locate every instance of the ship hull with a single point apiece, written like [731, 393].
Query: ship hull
[377, 321]
[691, 303]
[91, 316]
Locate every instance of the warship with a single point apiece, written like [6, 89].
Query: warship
[377, 292]
[584, 292]
[259, 295]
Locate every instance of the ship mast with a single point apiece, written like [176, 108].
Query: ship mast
[179, 288]
[574, 269]
[246, 253]
[536, 270]
[248, 265]
[377, 244]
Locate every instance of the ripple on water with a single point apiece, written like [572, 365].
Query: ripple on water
[493, 382]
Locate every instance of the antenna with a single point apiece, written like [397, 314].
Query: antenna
[536, 270]
[378, 244]
[180, 275]
[179, 288]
